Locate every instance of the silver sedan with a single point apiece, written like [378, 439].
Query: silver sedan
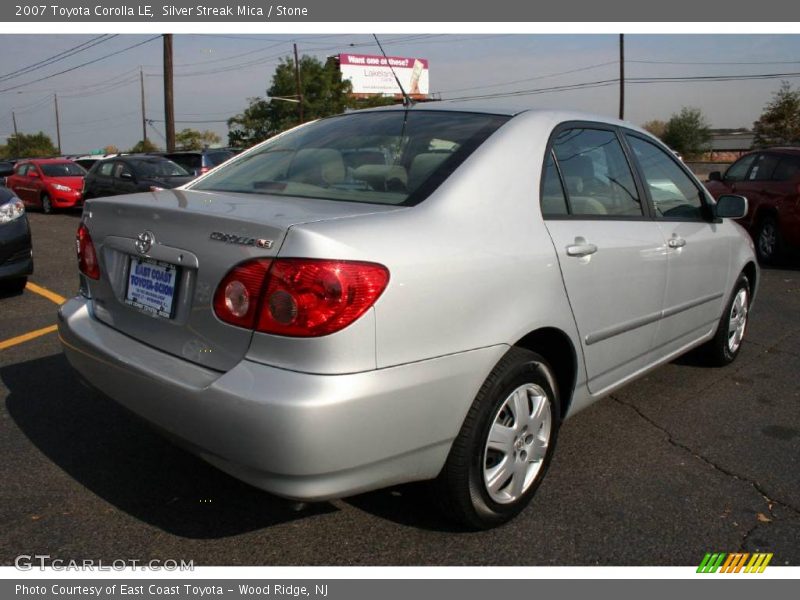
[399, 294]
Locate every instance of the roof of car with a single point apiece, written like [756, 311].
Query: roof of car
[493, 108]
[45, 161]
[783, 149]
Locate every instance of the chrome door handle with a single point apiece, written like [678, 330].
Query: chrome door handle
[581, 248]
[676, 242]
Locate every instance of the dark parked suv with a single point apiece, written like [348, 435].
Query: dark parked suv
[200, 161]
[133, 173]
[770, 180]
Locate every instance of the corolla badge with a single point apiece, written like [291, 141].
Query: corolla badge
[145, 241]
[242, 240]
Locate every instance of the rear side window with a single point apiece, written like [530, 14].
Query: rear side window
[674, 194]
[383, 157]
[554, 202]
[788, 169]
[106, 168]
[596, 174]
[763, 167]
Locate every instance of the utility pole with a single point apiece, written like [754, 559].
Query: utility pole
[58, 125]
[298, 83]
[621, 75]
[144, 120]
[16, 133]
[169, 107]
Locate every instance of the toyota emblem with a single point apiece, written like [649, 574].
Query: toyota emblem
[145, 241]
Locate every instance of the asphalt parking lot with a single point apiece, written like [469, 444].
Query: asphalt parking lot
[686, 461]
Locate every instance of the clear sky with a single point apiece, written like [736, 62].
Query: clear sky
[215, 75]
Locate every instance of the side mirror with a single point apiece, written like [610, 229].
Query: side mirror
[715, 176]
[33, 174]
[731, 206]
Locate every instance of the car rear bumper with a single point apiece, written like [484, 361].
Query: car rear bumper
[298, 435]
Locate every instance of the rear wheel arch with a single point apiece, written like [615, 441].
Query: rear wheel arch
[557, 349]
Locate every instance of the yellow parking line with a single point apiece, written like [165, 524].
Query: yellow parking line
[52, 296]
[27, 336]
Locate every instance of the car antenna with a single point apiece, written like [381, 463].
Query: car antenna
[407, 101]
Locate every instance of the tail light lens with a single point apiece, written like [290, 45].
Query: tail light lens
[299, 297]
[87, 256]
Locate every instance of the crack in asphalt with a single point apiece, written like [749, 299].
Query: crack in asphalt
[770, 502]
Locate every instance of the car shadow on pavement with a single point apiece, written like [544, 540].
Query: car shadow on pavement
[122, 460]
[410, 505]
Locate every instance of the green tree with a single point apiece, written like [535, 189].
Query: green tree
[144, 146]
[656, 127]
[779, 124]
[191, 139]
[688, 132]
[324, 94]
[24, 145]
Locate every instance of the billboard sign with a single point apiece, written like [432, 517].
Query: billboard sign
[370, 74]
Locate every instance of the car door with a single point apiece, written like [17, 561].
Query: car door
[100, 182]
[611, 252]
[698, 252]
[784, 197]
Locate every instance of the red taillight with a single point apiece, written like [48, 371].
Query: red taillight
[87, 256]
[236, 300]
[299, 297]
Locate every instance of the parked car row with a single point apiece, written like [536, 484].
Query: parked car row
[59, 183]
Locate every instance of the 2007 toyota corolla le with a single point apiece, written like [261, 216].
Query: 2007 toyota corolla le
[406, 294]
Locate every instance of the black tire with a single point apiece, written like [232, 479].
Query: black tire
[13, 287]
[461, 488]
[718, 351]
[769, 245]
[47, 205]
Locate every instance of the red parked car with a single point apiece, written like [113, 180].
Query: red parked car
[48, 183]
[770, 180]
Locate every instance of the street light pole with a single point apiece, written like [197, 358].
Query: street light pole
[58, 125]
[299, 84]
[169, 107]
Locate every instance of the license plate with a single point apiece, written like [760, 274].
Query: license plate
[151, 286]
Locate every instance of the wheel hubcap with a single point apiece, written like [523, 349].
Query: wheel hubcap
[737, 320]
[517, 443]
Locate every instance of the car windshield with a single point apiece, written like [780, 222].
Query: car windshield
[65, 169]
[158, 168]
[381, 157]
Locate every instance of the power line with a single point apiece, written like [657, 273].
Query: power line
[538, 77]
[58, 57]
[90, 62]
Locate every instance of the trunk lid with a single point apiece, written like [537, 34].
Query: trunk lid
[198, 237]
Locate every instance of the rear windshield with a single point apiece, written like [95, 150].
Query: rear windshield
[392, 157]
[65, 169]
[190, 162]
[218, 157]
[158, 168]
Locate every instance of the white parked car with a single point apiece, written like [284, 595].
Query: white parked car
[394, 295]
